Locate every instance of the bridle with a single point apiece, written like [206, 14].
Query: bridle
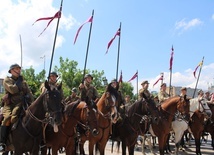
[176, 114]
[108, 106]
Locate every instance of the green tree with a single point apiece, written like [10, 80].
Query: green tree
[71, 76]
[127, 89]
[34, 80]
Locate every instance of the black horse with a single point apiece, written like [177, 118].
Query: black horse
[45, 109]
[135, 123]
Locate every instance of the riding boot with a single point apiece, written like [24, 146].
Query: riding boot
[4, 135]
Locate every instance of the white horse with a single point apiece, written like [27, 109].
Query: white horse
[180, 125]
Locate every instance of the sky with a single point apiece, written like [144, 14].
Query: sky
[148, 31]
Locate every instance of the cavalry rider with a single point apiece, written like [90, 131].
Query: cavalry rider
[87, 91]
[73, 97]
[52, 82]
[121, 100]
[17, 93]
[144, 90]
[163, 95]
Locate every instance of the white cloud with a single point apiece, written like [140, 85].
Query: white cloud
[213, 16]
[184, 25]
[17, 19]
[183, 79]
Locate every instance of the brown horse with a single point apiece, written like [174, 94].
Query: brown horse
[167, 112]
[107, 113]
[75, 113]
[139, 116]
[209, 125]
[46, 108]
[199, 110]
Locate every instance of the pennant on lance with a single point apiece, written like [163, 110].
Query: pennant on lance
[57, 15]
[90, 19]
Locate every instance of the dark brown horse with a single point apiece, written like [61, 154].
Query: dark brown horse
[107, 113]
[209, 125]
[139, 117]
[75, 113]
[199, 110]
[46, 108]
[167, 112]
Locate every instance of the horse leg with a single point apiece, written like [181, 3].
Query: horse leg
[43, 150]
[81, 148]
[198, 144]
[143, 145]
[131, 149]
[118, 146]
[123, 148]
[162, 143]
[149, 139]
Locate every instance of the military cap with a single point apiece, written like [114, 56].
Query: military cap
[88, 75]
[183, 88]
[113, 80]
[200, 91]
[163, 84]
[74, 90]
[207, 92]
[13, 66]
[54, 73]
[144, 82]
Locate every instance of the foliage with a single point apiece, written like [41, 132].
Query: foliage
[71, 77]
[127, 89]
[33, 80]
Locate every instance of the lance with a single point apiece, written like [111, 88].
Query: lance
[170, 79]
[86, 54]
[20, 40]
[198, 77]
[137, 84]
[55, 39]
[118, 53]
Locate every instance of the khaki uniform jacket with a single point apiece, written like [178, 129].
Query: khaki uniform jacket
[71, 99]
[144, 91]
[15, 99]
[15, 94]
[162, 96]
[88, 90]
[42, 88]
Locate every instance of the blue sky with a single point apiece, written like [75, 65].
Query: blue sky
[149, 29]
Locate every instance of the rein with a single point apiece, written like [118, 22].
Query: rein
[169, 112]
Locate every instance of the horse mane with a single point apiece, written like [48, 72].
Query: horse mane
[112, 90]
[38, 99]
[135, 107]
[70, 107]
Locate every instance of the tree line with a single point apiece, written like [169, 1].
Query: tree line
[71, 76]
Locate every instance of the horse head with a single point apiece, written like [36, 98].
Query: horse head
[152, 109]
[107, 104]
[89, 115]
[183, 106]
[53, 103]
[201, 105]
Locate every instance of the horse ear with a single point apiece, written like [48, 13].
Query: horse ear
[59, 86]
[47, 85]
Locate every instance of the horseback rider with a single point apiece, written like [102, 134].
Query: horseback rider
[73, 97]
[87, 91]
[52, 82]
[17, 93]
[144, 90]
[163, 95]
